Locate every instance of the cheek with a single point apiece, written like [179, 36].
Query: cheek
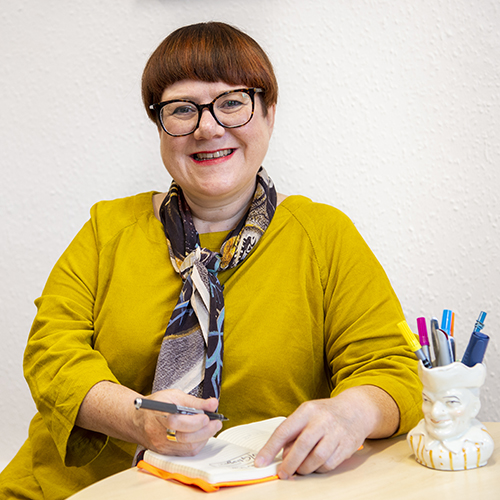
[459, 413]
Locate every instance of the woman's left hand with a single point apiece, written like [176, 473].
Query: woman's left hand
[322, 433]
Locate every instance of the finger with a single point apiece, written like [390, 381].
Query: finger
[286, 449]
[322, 458]
[329, 454]
[299, 452]
[181, 398]
[184, 423]
[210, 404]
[185, 443]
[284, 433]
[201, 435]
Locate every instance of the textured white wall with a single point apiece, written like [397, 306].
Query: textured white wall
[389, 110]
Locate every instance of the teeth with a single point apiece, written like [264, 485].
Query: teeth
[211, 156]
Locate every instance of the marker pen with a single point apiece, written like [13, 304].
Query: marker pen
[422, 335]
[476, 348]
[414, 344]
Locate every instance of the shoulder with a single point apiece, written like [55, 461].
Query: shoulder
[320, 221]
[111, 217]
[312, 213]
[126, 209]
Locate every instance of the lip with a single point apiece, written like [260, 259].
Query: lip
[440, 423]
[220, 156]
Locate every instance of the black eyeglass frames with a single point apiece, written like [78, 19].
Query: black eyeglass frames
[231, 109]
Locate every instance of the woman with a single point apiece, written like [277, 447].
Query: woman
[219, 295]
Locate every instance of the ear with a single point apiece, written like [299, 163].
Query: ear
[476, 406]
[271, 114]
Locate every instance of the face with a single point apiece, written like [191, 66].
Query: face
[216, 166]
[448, 413]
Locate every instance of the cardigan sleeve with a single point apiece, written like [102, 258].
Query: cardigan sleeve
[60, 363]
[362, 342]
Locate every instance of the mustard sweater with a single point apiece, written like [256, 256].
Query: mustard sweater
[308, 314]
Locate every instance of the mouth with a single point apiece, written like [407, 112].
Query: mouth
[440, 423]
[212, 155]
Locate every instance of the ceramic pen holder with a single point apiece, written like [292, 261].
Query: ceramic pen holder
[449, 437]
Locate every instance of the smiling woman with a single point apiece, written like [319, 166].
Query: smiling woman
[216, 293]
[216, 165]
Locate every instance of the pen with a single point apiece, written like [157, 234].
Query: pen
[413, 343]
[480, 322]
[474, 353]
[422, 335]
[150, 404]
[435, 340]
[446, 321]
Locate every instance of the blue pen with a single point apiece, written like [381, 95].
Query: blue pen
[480, 322]
[446, 321]
[477, 344]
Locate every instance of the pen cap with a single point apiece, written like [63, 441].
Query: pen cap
[475, 349]
[409, 336]
[446, 321]
[422, 331]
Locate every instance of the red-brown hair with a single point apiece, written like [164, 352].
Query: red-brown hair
[210, 52]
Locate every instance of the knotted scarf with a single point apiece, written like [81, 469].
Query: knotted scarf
[191, 353]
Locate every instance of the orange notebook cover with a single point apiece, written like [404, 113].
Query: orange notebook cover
[227, 460]
[196, 481]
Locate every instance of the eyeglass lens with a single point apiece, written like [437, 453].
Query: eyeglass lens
[230, 110]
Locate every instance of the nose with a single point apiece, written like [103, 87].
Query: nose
[438, 411]
[208, 126]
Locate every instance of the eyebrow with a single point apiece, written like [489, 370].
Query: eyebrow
[192, 98]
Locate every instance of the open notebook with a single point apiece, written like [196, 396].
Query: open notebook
[226, 460]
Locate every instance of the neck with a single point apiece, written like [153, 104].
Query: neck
[214, 217]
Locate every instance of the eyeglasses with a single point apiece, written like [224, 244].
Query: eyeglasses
[231, 109]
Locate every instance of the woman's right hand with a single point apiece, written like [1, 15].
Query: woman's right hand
[191, 431]
[109, 408]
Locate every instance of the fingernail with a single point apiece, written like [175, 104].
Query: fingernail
[259, 461]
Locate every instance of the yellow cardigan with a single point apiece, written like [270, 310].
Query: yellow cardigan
[308, 314]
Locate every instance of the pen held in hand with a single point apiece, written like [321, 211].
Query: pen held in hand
[150, 404]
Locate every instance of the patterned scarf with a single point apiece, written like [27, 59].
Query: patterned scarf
[191, 353]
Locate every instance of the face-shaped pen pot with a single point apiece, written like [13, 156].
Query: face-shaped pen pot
[449, 437]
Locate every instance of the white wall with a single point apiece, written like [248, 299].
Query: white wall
[389, 110]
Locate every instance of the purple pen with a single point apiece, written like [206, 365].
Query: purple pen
[422, 335]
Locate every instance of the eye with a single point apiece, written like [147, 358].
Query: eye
[452, 402]
[180, 110]
[232, 102]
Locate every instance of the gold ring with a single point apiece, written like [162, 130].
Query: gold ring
[171, 435]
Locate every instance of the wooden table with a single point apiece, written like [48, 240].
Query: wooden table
[384, 469]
